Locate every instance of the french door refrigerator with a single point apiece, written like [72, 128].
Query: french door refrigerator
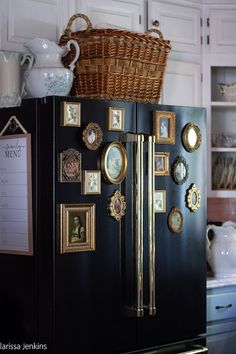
[141, 288]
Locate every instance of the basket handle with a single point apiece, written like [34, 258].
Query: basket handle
[73, 18]
[155, 31]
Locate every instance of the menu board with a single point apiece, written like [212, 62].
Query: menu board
[15, 195]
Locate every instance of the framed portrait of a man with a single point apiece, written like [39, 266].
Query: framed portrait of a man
[77, 227]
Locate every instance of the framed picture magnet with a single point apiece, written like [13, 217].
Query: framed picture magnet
[77, 227]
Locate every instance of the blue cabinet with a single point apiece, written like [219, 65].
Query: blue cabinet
[221, 316]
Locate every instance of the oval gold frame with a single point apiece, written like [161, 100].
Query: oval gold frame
[104, 167]
[171, 223]
[180, 160]
[114, 210]
[186, 138]
[97, 138]
[193, 192]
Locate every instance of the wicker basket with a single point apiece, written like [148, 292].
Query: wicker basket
[117, 64]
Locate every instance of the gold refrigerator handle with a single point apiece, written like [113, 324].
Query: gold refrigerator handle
[139, 227]
[151, 226]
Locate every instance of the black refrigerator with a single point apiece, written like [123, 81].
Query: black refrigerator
[137, 282]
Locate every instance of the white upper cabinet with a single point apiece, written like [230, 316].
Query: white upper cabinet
[180, 23]
[221, 22]
[26, 19]
[124, 14]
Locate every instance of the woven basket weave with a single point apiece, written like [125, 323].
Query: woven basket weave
[117, 64]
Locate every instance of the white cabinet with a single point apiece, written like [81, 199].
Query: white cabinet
[221, 319]
[221, 23]
[180, 23]
[123, 14]
[25, 19]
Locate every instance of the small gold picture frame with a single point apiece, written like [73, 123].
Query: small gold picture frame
[116, 118]
[180, 170]
[164, 127]
[175, 220]
[191, 137]
[116, 205]
[193, 198]
[71, 114]
[161, 164]
[77, 227]
[114, 162]
[160, 201]
[91, 182]
[70, 166]
[92, 136]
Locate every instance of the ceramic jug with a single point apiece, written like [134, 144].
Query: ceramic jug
[48, 76]
[12, 86]
[221, 250]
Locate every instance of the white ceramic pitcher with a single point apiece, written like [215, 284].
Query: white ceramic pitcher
[48, 76]
[221, 251]
[12, 85]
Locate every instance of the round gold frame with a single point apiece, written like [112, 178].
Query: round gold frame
[193, 198]
[105, 163]
[175, 220]
[92, 136]
[116, 205]
[189, 130]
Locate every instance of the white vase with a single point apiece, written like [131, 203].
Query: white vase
[12, 85]
[221, 251]
[48, 76]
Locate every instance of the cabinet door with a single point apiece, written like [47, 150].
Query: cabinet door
[181, 25]
[178, 23]
[47, 19]
[222, 28]
[182, 84]
[114, 13]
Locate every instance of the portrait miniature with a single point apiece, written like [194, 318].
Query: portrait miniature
[92, 136]
[161, 163]
[160, 201]
[77, 227]
[116, 205]
[164, 127]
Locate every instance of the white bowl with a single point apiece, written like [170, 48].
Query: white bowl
[228, 91]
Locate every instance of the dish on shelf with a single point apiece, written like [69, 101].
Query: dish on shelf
[223, 140]
[224, 172]
[228, 91]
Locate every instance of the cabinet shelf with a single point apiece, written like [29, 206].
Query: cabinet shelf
[223, 104]
[223, 149]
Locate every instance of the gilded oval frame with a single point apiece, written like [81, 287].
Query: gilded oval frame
[186, 137]
[177, 170]
[117, 176]
[116, 205]
[193, 198]
[92, 136]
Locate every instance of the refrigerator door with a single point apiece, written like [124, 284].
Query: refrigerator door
[179, 258]
[88, 285]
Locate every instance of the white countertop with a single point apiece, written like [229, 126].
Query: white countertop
[220, 282]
